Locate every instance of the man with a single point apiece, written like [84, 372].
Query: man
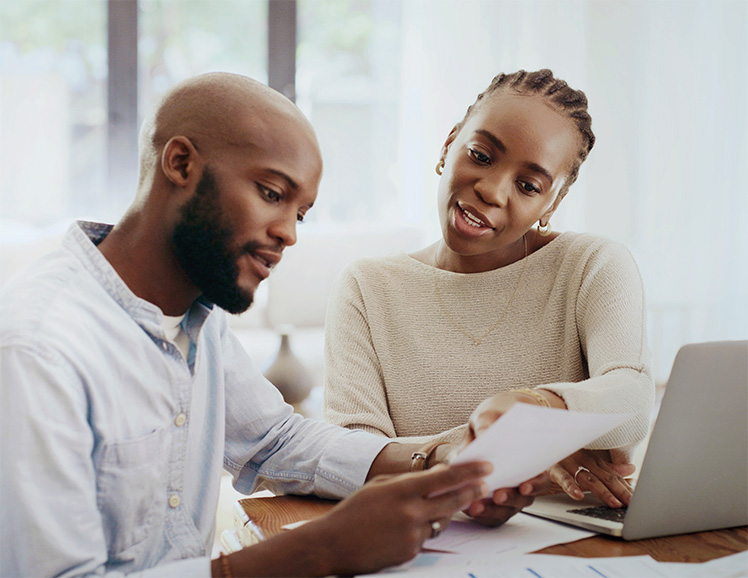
[125, 393]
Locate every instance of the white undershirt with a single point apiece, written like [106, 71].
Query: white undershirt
[175, 333]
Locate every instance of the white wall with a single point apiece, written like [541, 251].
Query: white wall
[667, 83]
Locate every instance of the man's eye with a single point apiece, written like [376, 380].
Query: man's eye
[479, 156]
[270, 194]
[528, 187]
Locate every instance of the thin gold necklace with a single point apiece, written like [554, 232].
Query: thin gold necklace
[477, 340]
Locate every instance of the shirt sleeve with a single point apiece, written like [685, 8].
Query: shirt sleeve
[51, 525]
[610, 316]
[269, 446]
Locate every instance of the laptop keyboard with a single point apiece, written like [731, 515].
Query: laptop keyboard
[602, 513]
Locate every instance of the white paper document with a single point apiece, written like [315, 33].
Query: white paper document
[527, 440]
[521, 534]
[430, 565]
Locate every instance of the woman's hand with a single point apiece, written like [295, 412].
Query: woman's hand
[586, 470]
[491, 409]
[505, 502]
[499, 507]
[593, 469]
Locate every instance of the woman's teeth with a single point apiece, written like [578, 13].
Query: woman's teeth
[472, 220]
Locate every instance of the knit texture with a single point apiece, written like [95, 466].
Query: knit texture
[398, 365]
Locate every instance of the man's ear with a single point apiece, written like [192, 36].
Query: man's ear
[178, 160]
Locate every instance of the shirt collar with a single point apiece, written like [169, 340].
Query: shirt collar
[83, 239]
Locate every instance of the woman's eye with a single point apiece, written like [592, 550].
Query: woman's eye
[528, 187]
[479, 156]
[300, 218]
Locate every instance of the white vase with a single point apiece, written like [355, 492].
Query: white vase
[288, 373]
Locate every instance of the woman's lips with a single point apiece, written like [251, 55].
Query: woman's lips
[470, 222]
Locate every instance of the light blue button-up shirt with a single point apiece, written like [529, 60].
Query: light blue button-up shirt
[113, 443]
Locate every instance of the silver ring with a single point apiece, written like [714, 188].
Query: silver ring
[580, 469]
[436, 528]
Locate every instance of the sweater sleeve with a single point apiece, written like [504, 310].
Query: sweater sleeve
[610, 316]
[354, 395]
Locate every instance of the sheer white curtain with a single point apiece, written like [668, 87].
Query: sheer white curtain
[668, 89]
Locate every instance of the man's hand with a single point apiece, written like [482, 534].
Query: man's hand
[386, 522]
[383, 524]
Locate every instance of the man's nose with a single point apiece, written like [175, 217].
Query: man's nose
[284, 230]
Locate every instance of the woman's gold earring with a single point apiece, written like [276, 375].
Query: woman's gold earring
[544, 230]
[440, 167]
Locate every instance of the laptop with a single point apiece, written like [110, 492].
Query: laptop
[694, 476]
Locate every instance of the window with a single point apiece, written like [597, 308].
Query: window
[53, 118]
[347, 83]
[181, 38]
[69, 152]
[79, 75]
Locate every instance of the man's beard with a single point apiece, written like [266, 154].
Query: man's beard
[201, 244]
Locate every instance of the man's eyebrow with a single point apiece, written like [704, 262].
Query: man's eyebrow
[502, 148]
[291, 183]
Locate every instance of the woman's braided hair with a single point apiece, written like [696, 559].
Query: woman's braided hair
[559, 94]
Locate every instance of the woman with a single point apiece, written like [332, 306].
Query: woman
[500, 307]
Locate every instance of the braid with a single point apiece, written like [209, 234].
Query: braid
[559, 94]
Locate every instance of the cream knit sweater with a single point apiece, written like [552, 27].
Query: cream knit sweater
[398, 365]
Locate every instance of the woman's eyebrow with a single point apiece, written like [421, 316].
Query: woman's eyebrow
[493, 138]
[538, 169]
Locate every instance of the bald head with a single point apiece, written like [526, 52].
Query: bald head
[217, 111]
[228, 167]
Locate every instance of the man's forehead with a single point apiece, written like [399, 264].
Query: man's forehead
[278, 147]
[231, 105]
[260, 126]
[271, 137]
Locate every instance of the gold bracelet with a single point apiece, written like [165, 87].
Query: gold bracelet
[542, 401]
[225, 568]
[419, 460]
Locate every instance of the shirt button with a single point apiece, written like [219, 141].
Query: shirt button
[180, 420]
[174, 501]
[164, 346]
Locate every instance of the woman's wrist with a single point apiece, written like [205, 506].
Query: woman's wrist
[534, 395]
[542, 397]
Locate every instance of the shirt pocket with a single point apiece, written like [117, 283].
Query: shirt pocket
[131, 483]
